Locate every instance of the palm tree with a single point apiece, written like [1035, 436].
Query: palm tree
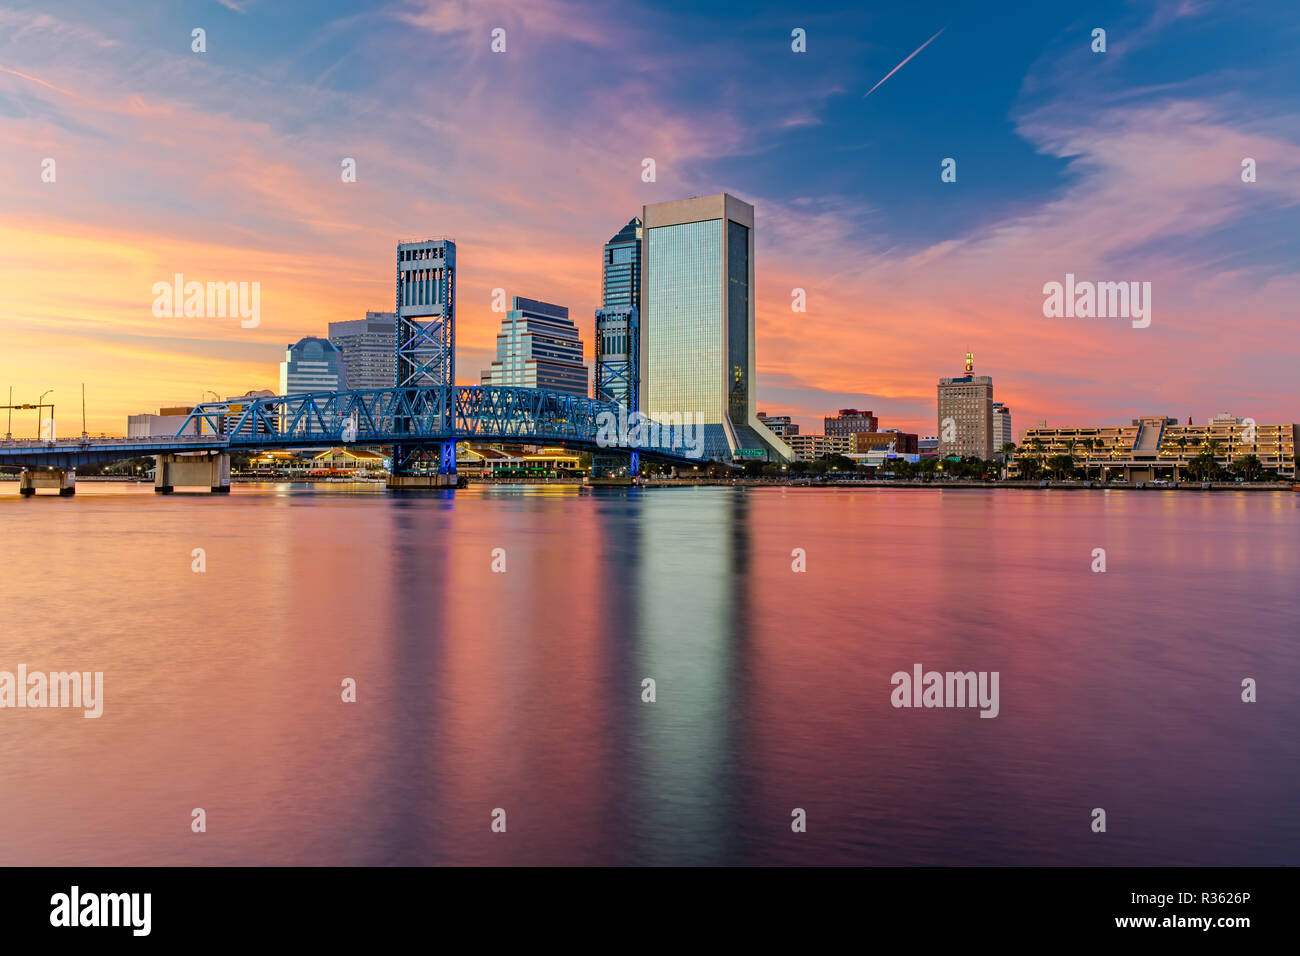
[1090, 444]
[1008, 456]
[1249, 467]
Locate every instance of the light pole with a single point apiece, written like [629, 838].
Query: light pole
[39, 405]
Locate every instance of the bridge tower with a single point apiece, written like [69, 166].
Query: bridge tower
[426, 345]
[618, 377]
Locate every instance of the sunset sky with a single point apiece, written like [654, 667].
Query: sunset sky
[225, 166]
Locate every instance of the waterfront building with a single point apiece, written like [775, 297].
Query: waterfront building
[812, 447]
[697, 324]
[928, 447]
[167, 422]
[496, 461]
[538, 347]
[1157, 446]
[850, 421]
[311, 364]
[369, 350]
[1001, 427]
[966, 414]
[782, 426]
[901, 443]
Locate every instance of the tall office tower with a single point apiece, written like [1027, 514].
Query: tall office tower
[850, 421]
[1001, 427]
[697, 324]
[538, 347]
[618, 320]
[966, 414]
[426, 343]
[621, 286]
[369, 348]
[311, 365]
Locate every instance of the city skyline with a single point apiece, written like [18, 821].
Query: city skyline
[161, 170]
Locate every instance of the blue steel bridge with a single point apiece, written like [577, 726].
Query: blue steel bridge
[422, 425]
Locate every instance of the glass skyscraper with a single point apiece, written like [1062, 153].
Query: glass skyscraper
[538, 347]
[621, 286]
[697, 324]
[311, 364]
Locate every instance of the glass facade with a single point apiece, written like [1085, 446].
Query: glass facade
[621, 285]
[737, 322]
[684, 320]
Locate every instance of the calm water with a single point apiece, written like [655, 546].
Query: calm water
[522, 690]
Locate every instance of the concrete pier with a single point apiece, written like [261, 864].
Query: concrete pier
[202, 469]
[64, 479]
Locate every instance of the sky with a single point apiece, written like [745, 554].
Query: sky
[225, 165]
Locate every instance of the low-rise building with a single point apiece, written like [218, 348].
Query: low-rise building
[903, 443]
[1158, 446]
[812, 447]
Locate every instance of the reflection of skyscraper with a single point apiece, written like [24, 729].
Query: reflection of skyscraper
[697, 323]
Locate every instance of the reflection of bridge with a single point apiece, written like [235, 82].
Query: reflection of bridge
[421, 424]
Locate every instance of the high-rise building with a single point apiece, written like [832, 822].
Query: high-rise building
[782, 426]
[697, 324]
[312, 364]
[1001, 427]
[618, 320]
[850, 421]
[538, 347]
[621, 283]
[369, 349]
[966, 414]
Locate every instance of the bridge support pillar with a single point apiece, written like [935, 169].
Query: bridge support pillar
[64, 479]
[204, 469]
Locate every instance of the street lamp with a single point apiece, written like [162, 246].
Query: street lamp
[39, 405]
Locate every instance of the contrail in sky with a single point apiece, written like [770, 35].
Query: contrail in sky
[903, 64]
